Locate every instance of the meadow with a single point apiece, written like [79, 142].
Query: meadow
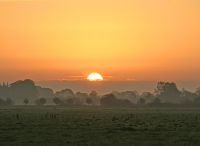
[95, 126]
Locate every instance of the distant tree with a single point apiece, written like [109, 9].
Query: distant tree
[111, 100]
[108, 99]
[26, 101]
[156, 101]
[129, 95]
[57, 101]
[66, 93]
[187, 96]
[9, 101]
[41, 101]
[89, 101]
[198, 92]
[45, 92]
[80, 98]
[197, 100]
[5, 91]
[23, 89]
[93, 94]
[148, 96]
[2, 102]
[93, 98]
[141, 101]
[166, 89]
[168, 92]
[70, 101]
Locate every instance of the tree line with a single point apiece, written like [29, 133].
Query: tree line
[27, 93]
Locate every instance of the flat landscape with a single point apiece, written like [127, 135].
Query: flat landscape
[95, 126]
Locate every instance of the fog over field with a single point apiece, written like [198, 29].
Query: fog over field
[108, 86]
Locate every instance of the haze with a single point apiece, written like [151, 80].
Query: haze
[125, 40]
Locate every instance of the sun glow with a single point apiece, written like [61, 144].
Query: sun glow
[95, 77]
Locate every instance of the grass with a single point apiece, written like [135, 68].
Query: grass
[94, 126]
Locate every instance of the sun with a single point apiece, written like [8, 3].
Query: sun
[95, 77]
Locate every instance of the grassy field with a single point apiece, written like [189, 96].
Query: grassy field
[60, 126]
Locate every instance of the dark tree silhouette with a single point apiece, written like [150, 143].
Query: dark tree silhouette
[23, 89]
[64, 93]
[156, 101]
[5, 91]
[147, 95]
[9, 101]
[197, 98]
[41, 101]
[45, 92]
[70, 101]
[26, 101]
[57, 101]
[111, 100]
[2, 102]
[166, 89]
[89, 101]
[187, 97]
[93, 94]
[168, 92]
[141, 101]
[197, 92]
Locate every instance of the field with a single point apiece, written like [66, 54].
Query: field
[94, 126]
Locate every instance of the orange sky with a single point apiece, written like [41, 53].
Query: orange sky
[125, 39]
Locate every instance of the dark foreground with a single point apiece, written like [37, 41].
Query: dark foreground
[58, 126]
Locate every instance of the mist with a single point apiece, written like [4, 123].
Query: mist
[108, 86]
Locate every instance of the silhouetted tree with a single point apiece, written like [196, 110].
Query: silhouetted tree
[148, 96]
[93, 94]
[23, 89]
[9, 101]
[2, 102]
[168, 92]
[26, 101]
[197, 100]
[198, 92]
[187, 97]
[45, 92]
[111, 100]
[89, 101]
[70, 101]
[166, 89]
[129, 95]
[41, 101]
[93, 98]
[156, 101]
[66, 93]
[57, 101]
[5, 91]
[142, 101]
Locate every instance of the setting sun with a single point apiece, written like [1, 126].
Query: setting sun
[95, 77]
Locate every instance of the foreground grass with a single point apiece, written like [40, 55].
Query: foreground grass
[94, 126]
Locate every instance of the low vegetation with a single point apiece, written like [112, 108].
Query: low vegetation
[97, 126]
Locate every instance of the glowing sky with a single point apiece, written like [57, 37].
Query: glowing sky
[125, 39]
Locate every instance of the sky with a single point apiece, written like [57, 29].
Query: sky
[142, 40]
